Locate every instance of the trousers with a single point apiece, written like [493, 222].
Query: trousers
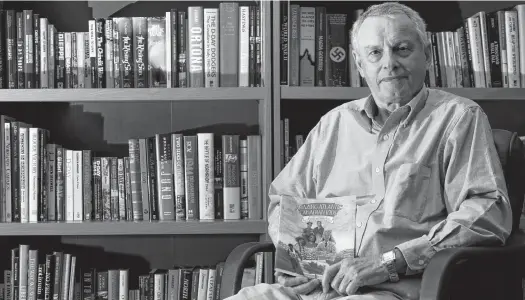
[265, 291]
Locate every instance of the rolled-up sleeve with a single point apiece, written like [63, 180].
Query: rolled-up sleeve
[296, 179]
[474, 191]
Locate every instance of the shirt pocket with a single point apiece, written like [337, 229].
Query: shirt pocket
[409, 192]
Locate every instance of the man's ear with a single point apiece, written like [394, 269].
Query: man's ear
[358, 62]
[428, 54]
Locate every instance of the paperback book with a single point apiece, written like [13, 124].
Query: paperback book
[314, 234]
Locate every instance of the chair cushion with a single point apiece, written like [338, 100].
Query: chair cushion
[511, 153]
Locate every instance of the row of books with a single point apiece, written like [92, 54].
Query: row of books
[315, 47]
[488, 51]
[289, 146]
[57, 275]
[200, 47]
[169, 176]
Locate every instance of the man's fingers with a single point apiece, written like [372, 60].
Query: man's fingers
[294, 281]
[336, 282]
[344, 284]
[352, 287]
[308, 287]
[328, 275]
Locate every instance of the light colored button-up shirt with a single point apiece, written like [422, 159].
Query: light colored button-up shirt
[428, 179]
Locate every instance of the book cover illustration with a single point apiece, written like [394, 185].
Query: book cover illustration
[314, 234]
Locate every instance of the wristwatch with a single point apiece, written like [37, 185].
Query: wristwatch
[388, 260]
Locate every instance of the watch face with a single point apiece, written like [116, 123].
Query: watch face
[388, 256]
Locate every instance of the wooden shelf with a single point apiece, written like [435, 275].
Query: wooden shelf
[349, 93]
[132, 94]
[135, 228]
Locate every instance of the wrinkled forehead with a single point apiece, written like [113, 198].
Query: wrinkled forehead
[376, 29]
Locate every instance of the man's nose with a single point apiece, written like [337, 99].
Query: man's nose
[389, 60]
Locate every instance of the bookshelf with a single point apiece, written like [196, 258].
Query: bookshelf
[103, 119]
[304, 105]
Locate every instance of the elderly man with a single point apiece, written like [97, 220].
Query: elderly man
[421, 163]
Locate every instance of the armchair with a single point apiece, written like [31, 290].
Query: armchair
[459, 273]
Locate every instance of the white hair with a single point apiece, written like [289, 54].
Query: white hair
[391, 9]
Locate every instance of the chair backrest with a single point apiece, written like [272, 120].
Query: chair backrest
[512, 156]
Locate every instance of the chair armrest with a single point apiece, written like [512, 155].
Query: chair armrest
[234, 265]
[437, 275]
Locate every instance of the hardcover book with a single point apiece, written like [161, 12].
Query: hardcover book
[314, 234]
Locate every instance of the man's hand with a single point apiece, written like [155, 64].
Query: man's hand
[348, 275]
[300, 285]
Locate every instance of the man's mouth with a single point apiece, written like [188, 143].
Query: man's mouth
[392, 78]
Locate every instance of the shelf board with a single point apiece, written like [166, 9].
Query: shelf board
[135, 228]
[132, 94]
[349, 93]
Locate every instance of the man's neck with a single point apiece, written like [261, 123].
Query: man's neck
[384, 111]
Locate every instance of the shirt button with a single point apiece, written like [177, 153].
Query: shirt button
[377, 170]
[373, 201]
[359, 224]
[421, 262]
[385, 137]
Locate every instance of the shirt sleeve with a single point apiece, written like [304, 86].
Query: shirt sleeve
[296, 179]
[474, 192]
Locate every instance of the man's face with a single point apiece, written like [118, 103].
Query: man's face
[392, 59]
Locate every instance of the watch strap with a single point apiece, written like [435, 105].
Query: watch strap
[388, 260]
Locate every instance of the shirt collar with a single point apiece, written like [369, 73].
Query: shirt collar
[415, 105]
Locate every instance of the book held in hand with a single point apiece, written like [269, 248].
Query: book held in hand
[314, 234]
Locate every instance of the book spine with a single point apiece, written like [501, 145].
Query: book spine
[78, 191]
[68, 78]
[116, 54]
[174, 33]
[254, 161]
[243, 170]
[123, 286]
[80, 60]
[108, 53]
[44, 162]
[511, 28]
[196, 46]
[69, 185]
[177, 142]
[60, 184]
[106, 188]
[228, 44]
[43, 44]
[11, 48]
[244, 46]
[143, 167]
[191, 177]
[97, 189]
[51, 56]
[165, 187]
[152, 178]
[87, 62]
[33, 174]
[23, 145]
[251, 46]
[477, 52]
[182, 37]
[93, 69]
[7, 173]
[206, 183]
[125, 28]
[32, 273]
[485, 47]
[218, 179]
[284, 22]
[113, 188]
[74, 61]
[294, 41]
[167, 48]
[121, 189]
[211, 51]
[140, 42]
[127, 188]
[494, 50]
[60, 55]
[135, 178]
[49, 271]
[503, 47]
[337, 56]
[231, 175]
[87, 184]
[51, 181]
[100, 55]
[36, 51]
[320, 46]
[465, 68]
[258, 47]
[157, 52]
[20, 40]
[29, 64]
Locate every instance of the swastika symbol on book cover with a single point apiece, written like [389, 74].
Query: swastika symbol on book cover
[337, 54]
